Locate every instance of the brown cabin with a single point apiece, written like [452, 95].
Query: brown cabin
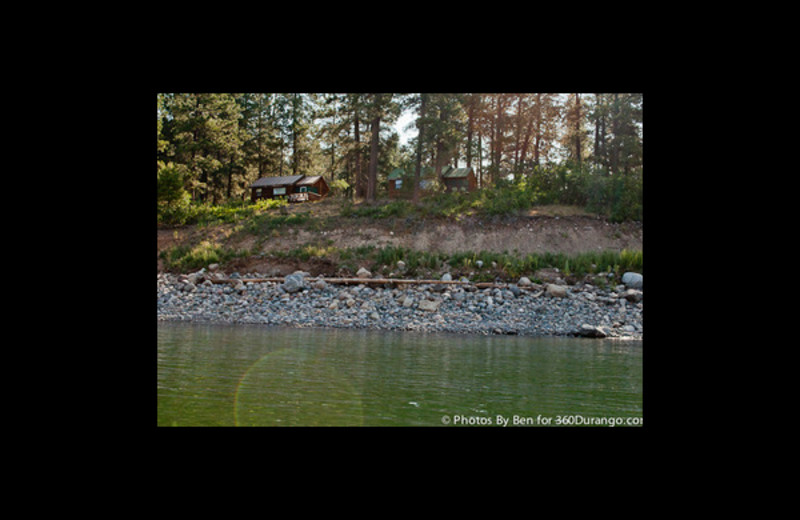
[295, 188]
[400, 184]
[460, 179]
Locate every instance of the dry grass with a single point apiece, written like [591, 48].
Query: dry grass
[557, 210]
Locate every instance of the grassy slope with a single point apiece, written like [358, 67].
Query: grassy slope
[237, 240]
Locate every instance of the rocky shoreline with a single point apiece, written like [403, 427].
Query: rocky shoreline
[524, 308]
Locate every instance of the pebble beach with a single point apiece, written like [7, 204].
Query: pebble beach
[522, 308]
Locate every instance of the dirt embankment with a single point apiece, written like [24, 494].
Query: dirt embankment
[534, 232]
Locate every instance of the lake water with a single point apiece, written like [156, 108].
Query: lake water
[248, 375]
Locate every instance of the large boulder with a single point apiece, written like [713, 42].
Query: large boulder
[557, 291]
[363, 273]
[633, 295]
[590, 331]
[293, 283]
[429, 305]
[633, 280]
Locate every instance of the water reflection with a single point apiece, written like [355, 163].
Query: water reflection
[259, 376]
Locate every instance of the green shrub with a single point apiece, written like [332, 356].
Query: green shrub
[397, 208]
[182, 211]
[187, 258]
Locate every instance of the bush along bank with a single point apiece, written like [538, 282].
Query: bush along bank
[601, 267]
[524, 308]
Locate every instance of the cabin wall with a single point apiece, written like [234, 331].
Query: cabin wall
[267, 192]
[457, 184]
[473, 182]
[393, 192]
[320, 187]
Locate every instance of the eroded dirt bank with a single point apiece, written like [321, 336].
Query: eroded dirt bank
[520, 235]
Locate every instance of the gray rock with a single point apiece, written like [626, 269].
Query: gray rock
[446, 277]
[558, 291]
[293, 283]
[478, 263]
[401, 265]
[633, 280]
[429, 305]
[524, 281]
[363, 273]
[458, 309]
[590, 331]
[319, 285]
[633, 295]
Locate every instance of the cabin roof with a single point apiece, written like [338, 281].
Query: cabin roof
[457, 173]
[309, 180]
[397, 173]
[426, 172]
[276, 181]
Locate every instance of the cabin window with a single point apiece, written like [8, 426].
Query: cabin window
[279, 191]
[398, 184]
[303, 189]
[258, 192]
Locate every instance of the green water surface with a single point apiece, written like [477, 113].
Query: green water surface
[248, 375]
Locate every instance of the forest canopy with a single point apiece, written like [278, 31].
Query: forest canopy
[583, 149]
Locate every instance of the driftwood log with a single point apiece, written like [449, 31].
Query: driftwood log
[372, 281]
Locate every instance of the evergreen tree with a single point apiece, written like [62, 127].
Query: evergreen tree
[575, 137]
[423, 103]
[381, 107]
[261, 136]
[207, 141]
[214, 145]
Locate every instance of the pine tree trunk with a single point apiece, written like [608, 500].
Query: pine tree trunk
[372, 180]
[359, 186]
[578, 128]
[418, 168]
[469, 131]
